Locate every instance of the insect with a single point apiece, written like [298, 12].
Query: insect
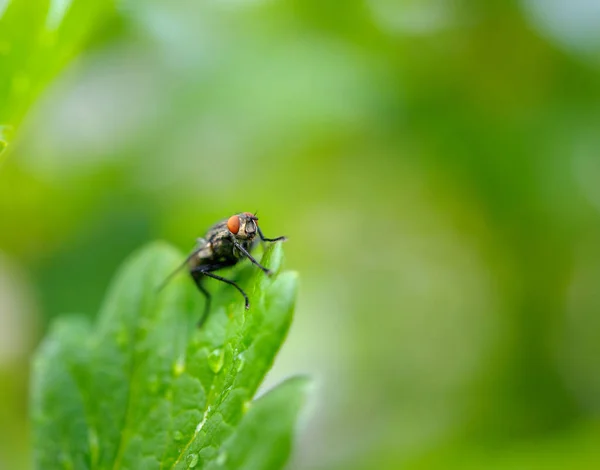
[225, 244]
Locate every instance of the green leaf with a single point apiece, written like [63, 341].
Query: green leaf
[145, 388]
[37, 39]
[266, 426]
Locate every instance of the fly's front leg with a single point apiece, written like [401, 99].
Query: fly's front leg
[268, 272]
[265, 239]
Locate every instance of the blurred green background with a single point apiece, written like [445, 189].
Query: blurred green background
[434, 164]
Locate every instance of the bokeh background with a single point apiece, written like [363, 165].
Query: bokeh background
[435, 165]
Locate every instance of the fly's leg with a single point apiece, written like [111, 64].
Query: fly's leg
[268, 272]
[197, 276]
[199, 272]
[231, 283]
[265, 239]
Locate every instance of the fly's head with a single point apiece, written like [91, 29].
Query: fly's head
[243, 226]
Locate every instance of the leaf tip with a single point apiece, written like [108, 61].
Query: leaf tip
[273, 257]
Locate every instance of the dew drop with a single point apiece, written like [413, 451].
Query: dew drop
[177, 436]
[192, 460]
[216, 360]
[241, 362]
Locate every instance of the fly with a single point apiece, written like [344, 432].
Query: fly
[225, 244]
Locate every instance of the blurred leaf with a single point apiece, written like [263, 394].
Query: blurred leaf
[147, 389]
[37, 39]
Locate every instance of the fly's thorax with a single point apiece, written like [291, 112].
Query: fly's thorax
[222, 248]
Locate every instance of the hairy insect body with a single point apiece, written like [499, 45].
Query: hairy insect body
[224, 245]
[218, 248]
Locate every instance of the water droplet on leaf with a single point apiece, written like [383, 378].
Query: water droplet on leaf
[177, 436]
[216, 360]
[241, 362]
[192, 460]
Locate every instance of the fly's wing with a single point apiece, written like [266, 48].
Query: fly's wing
[201, 244]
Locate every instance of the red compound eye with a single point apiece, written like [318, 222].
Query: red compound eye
[233, 224]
